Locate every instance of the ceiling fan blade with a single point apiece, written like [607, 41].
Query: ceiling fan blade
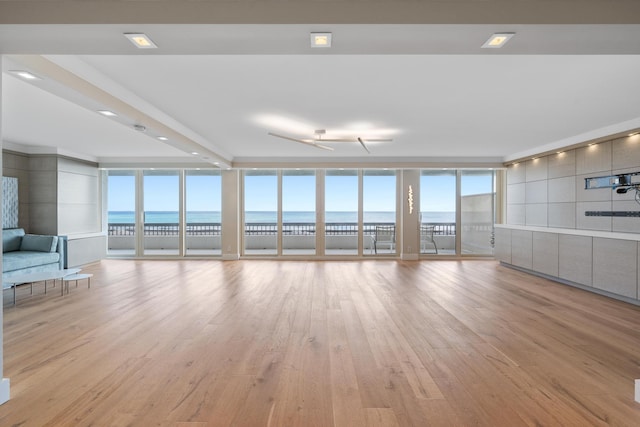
[301, 141]
[363, 146]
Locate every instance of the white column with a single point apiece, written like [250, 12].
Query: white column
[4, 385]
[320, 209]
[232, 226]
[410, 213]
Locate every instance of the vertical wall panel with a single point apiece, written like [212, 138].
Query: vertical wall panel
[593, 159]
[43, 191]
[562, 215]
[626, 152]
[562, 189]
[78, 197]
[537, 169]
[517, 173]
[562, 164]
[536, 214]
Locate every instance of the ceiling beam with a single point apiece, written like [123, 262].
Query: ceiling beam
[320, 12]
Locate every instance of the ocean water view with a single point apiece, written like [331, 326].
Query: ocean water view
[199, 217]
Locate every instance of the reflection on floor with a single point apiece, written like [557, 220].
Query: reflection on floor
[267, 252]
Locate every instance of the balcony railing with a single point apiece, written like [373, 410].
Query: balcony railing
[258, 229]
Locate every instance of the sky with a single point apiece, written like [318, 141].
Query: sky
[437, 192]
[161, 193]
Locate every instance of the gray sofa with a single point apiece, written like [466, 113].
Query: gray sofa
[30, 253]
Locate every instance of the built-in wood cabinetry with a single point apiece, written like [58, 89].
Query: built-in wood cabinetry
[606, 263]
[548, 231]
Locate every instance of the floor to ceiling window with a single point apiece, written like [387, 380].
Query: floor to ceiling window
[161, 212]
[379, 211]
[260, 212]
[203, 205]
[149, 213]
[341, 211]
[477, 207]
[438, 191]
[178, 212]
[121, 212]
[298, 212]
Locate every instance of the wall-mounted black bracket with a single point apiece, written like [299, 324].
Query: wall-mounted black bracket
[612, 181]
[613, 213]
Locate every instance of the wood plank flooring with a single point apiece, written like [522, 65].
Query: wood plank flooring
[286, 343]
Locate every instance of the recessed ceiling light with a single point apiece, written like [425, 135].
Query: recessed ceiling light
[25, 75]
[107, 113]
[320, 39]
[497, 40]
[216, 163]
[163, 138]
[140, 40]
[195, 153]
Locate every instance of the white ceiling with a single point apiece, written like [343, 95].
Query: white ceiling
[218, 89]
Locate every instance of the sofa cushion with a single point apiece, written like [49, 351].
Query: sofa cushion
[18, 260]
[38, 243]
[11, 239]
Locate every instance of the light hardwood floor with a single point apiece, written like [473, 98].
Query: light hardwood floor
[269, 343]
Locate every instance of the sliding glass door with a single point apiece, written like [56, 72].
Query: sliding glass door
[438, 190]
[161, 212]
[379, 212]
[121, 212]
[341, 211]
[203, 205]
[298, 212]
[170, 212]
[477, 190]
[261, 212]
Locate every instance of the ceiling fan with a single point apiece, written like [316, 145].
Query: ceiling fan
[316, 142]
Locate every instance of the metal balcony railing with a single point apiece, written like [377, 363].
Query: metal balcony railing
[258, 229]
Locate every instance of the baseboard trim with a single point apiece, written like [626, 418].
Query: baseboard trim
[4, 390]
[574, 284]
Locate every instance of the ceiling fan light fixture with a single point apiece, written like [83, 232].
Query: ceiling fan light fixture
[320, 39]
